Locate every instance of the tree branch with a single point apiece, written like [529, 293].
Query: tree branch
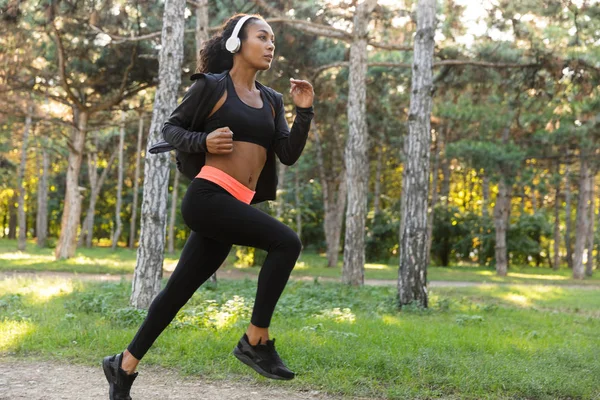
[343, 64]
[119, 96]
[61, 69]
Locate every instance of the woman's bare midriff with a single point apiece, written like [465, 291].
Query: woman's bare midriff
[247, 159]
[244, 163]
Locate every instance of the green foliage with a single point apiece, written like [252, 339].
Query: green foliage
[448, 231]
[525, 235]
[381, 239]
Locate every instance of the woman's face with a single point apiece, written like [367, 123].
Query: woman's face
[258, 49]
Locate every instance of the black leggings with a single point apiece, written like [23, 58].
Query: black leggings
[218, 220]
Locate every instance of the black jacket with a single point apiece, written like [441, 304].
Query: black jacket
[184, 131]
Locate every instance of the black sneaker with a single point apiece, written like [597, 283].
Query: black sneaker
[120, 382]
[263, 358]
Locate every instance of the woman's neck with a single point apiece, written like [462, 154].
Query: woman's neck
[244, 77]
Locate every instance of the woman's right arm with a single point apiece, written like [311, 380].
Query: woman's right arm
[175, 129]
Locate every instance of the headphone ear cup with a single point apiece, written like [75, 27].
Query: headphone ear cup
[233, 44]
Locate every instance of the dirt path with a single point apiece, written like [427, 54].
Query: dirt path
[237, 274]
[49, 380]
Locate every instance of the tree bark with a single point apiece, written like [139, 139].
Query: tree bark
[67, 241]
[434, 198]
[333, 206]
[445, 189]
[96, 183]
[281, 168]
[568, 220]
[557, 205]
[171, 244]
[378, 171]
[136, 183]
[297, 202]
[356, 159]
[41, 226]
[582, 221]
[589, 265]
[412, 273]
[22, 243]
[501, 218]
[119, 222]
[12, 216]
[202, 27]
[150, 255]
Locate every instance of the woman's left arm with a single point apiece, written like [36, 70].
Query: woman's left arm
[288, 145]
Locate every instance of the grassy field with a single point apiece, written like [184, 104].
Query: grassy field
[122, 261]
[492, 342]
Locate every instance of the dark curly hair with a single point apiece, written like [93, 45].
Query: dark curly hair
[213, 56]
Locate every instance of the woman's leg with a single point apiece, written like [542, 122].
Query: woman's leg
[200, 258]
[225, 219]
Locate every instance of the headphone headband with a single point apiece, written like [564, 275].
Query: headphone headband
[233, 43]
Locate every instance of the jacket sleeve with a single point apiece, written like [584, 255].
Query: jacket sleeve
[175, 129]
[288, 145]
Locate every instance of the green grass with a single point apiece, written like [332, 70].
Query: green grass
[491, 342]
[122, 261]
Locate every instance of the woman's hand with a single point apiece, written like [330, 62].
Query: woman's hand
[302, 93]
[220, 141]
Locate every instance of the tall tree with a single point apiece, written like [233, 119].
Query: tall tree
[356, 160]
[412, 276]
[119, 222]
[41, 226]
[583, 214]
[171, 235]
[21, 180]
[136, 181]
[150, 255]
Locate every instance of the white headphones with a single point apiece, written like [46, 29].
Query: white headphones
[234, 43]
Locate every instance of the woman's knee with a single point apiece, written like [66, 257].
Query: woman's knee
[289, 242]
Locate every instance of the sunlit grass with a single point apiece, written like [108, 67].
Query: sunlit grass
[12, 331]
[102, 260]
[487, 342]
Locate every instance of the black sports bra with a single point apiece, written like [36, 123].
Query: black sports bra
[248, 124]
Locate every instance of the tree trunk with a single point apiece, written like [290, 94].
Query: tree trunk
[333, 207]
[356, 159]
[96, 183]
[148, 270]
[568, 220]
[171, 245]
[136, 183]
[589, 265]
[119, 223]
[582, 221]
[481, 259]
[445, 189]
[557, 204]
[298, 204]
[201, 37]
[378, 170]
[412, 274]
[67, 241]
[502, 214]
[41, 226]
[12, 216]
[501, 218]
[434, 198]
[22, 244]
[281, 178]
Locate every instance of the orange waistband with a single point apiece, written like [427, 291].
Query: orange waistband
[227, 182]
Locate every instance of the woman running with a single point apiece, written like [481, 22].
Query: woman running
[231, 126]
